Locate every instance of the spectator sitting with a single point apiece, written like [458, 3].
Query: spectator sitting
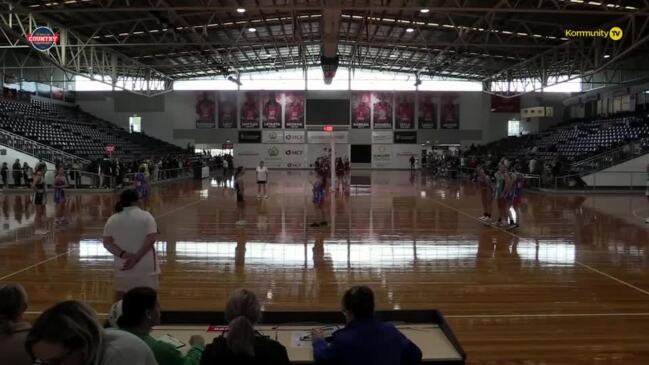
[13, 328]
[242, 345]
[364, 340]
[68, 333]
[140, 312]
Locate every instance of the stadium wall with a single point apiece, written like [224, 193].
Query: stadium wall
[171, 117]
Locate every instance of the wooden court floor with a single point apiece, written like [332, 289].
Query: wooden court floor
[571, 286]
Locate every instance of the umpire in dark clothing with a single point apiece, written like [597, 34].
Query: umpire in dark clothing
[364, 340]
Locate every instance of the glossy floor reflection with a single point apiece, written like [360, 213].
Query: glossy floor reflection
[571, 286]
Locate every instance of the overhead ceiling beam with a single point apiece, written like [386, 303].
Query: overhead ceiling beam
[574, 10]
[76, 54]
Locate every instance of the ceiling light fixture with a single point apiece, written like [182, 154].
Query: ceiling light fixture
[424, 11]
[410, 30]
[607, 56]
[241, 10]
[252, 30]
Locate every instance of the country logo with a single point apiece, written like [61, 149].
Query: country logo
[43, 38]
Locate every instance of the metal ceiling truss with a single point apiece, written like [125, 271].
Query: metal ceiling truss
[576, 58]
[156, 41]
[77, 54]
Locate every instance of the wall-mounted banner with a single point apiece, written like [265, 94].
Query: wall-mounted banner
[294, 137]
[382, 137]
[293, 110]
[405, 111]
[450, 111]
[325, 137]
[427, 111]
[382, 156]
[382, 110]
[249, 136]
[405, 137]
[205, 110]
[249, 115]
[227, 110]
[272, 137]
[361, 109]
[271, 110]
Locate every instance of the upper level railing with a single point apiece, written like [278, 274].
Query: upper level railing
[610, 158]
[33, 148]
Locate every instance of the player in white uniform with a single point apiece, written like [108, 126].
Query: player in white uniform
[262, 179]
[130, 235]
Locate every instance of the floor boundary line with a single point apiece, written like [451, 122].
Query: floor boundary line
[620, 281]
[513, 315]
[555, 315]
[612, 277]
[36, 264]
[72, 249]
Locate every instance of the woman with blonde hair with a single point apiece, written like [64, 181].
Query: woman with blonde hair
[69, 333]
[241, 344]
[13, 328]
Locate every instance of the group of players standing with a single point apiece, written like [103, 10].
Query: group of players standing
[506, 188]
[322, 168]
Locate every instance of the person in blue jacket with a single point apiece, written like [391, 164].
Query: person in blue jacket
[364, 340]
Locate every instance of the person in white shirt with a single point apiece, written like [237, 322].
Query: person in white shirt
[69, 333]
[130, 235]
[262, 179]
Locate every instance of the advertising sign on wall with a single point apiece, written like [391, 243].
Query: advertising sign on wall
[382, 156]
[405, 137]
[325, 137]
[294, 156]
[249, 136]
[273, 155]
[205, 110]
[294, 137]
[272, 136]
[382, 137]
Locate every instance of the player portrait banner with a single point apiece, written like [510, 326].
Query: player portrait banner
[293, 110]
[449, 117]
[427, 111]
[227, 110]
[405, 110]
[205, 110]
[361, 109]
[382, 110]
[249, 111]
[271, 112]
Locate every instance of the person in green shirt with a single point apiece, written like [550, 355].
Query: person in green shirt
[140, 312]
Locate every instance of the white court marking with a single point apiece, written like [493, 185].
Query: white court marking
[72, 249]
[620, 281]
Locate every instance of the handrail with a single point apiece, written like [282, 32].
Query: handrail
[25, 139]
[600, 155]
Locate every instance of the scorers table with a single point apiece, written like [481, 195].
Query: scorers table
[426, 328]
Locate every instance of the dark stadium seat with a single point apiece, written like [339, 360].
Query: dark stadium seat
[77, 132]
